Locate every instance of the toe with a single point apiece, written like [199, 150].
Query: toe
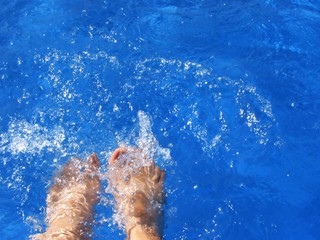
[116, 154]
[162, 176]
[156, 175]
[93, 160]
[151, 169]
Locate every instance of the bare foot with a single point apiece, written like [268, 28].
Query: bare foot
[71, 199]
[138, 192]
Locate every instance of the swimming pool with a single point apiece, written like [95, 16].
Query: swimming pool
[230, 90]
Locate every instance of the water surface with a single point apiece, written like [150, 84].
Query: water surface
[230, 90]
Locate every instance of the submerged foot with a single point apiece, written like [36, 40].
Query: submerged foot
[139, 194]
[71, 199]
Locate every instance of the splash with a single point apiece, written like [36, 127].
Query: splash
[24, 137]
[141, 136]
[149, 144]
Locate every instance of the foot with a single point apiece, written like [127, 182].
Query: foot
[138, 192]
[71, 199]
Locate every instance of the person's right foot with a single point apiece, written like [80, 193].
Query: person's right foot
[138, 193]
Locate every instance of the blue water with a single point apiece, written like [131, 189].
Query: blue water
[231, 89]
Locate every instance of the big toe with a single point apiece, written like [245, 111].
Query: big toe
[116, 154]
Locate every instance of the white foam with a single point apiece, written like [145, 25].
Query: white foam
[24, 137]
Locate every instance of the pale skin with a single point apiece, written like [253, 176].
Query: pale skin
[138, 199]
[141, 196]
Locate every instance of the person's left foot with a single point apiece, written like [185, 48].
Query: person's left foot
[71, 199]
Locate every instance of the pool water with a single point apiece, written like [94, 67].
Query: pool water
[228, 90]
